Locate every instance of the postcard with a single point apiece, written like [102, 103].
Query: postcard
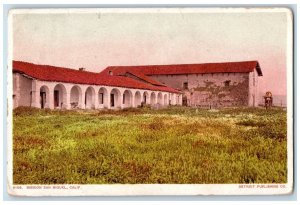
[150, 101]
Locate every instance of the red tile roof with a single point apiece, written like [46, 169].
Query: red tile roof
[227, 67]
[59, 74]
[145, 78]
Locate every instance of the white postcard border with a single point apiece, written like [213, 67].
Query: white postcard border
[152, 189]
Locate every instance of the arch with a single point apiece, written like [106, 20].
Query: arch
[60, 96]
[127, 98]
[160, 98]
[166, 99]
[152, 98]
[44, 97]
[145, 98]
[137, 99]
[103, 97]
[75, 97]
[115, 98]
[89, 99]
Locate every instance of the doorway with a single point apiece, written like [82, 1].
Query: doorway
[184, 101]
[56, 98]
[43, 99]
[112, 100]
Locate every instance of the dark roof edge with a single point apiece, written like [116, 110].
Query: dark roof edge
[258, 69]
[183, 64]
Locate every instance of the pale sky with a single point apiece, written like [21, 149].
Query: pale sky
[100, 39]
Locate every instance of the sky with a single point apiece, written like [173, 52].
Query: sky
[101, 38]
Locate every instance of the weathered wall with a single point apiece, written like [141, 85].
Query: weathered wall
[206, 90]
[22, 87]
[253, 89]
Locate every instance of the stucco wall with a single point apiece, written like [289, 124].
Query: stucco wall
[206, 90]
[253, 89]
[22, 87]
[66, 97]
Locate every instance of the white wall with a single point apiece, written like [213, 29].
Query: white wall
[254, 97]
[22, 87]
[68, 99]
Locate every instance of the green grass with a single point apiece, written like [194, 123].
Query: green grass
[174, 145]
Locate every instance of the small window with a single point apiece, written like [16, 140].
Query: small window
[227, 83]
[110, 72]
[123, 98]
[185, 85]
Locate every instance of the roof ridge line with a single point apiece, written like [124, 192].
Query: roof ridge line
[124, 66]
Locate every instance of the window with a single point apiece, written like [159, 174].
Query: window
[227, 83]
[123, 98]
[185, 85]
[110, 72]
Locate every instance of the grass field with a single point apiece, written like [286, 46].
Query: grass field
[174, 145]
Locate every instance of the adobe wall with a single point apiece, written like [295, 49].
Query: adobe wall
[253, 89]
[22, 87]
[211, 90]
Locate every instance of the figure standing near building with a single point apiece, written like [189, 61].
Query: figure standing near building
[268, 100]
